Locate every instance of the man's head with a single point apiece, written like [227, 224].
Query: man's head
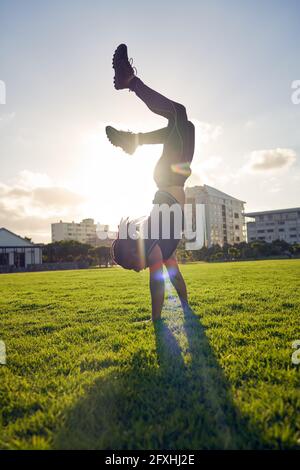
[127, 253]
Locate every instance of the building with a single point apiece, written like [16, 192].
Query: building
[17, 252]
[223, 217]
[84, 232]
[281, 224]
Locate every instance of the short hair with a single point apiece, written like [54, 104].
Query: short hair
[120, 248]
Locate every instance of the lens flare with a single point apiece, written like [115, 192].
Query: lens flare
[181, 168]
[172, 302]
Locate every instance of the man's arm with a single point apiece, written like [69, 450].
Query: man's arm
[157, 283]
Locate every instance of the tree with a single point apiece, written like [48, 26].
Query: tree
[295, 248]
[101, 255]
[233, 252]
[59, 252]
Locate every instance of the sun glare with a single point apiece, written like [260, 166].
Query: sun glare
[114, 184]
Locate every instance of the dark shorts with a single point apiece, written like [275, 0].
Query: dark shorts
[174, 219]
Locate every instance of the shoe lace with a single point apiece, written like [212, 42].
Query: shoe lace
[131, 63]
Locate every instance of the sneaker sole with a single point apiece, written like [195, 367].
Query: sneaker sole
[110, 132]
[120, 53]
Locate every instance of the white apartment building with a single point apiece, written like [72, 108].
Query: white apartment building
[84, 231]
[223, 218]
[281, 224]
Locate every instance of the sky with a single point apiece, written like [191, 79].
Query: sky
[231, 63]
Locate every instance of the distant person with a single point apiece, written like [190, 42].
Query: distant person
[170, 174]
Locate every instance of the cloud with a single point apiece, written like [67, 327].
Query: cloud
[29, 179]
[6, 119]
[56, 198]
[31, 202]
[270, 159]
[211, 163]
[206, 132]
[261, 168]
[212, 171]
[205, 167]
[250, 124]
[47, 198]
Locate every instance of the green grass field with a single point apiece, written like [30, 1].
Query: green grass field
[86, 370]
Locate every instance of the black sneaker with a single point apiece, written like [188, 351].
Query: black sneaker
[124, 71]
[126, 140]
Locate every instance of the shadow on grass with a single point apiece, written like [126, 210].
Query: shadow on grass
[163, 404]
